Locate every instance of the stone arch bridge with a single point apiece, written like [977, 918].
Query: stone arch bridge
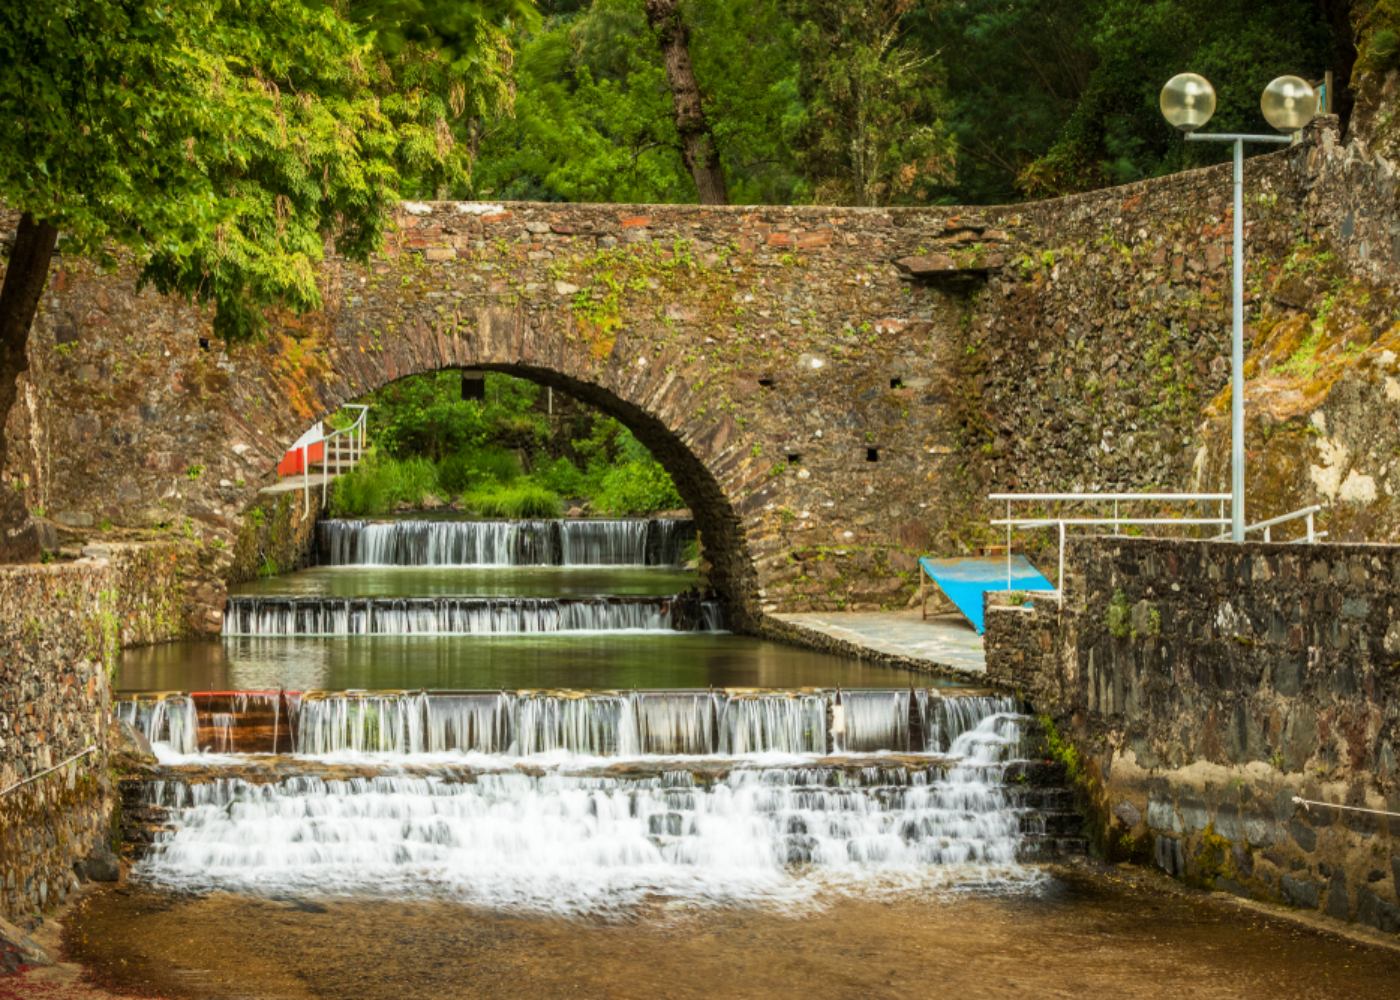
[833, 389]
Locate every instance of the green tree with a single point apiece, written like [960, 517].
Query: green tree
[594, 115]
[873, 131]
[217, 144]
[1115, 132]
[1015, 69]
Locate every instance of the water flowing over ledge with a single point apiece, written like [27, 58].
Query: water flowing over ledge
[254, 615]
[573, 844]
[527, 723]
[620, 542]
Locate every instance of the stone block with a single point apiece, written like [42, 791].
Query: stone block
[1300, 892]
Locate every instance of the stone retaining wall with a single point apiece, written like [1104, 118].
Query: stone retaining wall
[1203, 686]
[61, 627]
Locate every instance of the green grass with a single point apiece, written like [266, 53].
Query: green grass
[477, 468]
[520, 499]
[379, 484]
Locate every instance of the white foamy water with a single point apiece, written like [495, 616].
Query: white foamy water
[251, 615]
[526, 724]
[572, 844]
[617, 542]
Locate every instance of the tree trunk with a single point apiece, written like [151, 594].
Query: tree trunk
[25, 276]
[697, 144]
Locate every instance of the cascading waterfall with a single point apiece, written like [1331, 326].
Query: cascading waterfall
[573, 843]
[615, 724]
[249, 615]
[171, 722]
[620, 542]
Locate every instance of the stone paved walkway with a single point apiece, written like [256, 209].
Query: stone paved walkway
[942, 640]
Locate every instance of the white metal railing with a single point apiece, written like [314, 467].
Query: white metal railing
[341, 451]
[1117, 519]
[1307, 514]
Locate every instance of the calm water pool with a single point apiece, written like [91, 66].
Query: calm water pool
[656, 660]
[489, 581]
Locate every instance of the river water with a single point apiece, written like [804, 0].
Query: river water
[534, 747]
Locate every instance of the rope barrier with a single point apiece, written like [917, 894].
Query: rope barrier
[1337, 805]
[57, 767]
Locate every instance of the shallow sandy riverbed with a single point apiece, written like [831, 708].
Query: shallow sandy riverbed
[1086, 934]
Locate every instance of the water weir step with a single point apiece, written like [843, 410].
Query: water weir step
[525, 723]
[255, 615]
[557, 542]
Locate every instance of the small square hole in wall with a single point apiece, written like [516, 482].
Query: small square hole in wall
[872, 454]
[204, 343]
[766, 382]
[794, 458]
[896, 383]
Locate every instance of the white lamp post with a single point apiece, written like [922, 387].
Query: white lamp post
[1288, 103]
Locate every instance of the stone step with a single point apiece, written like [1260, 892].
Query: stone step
[1051, 848]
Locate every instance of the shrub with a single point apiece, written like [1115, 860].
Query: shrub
[636, 487]
[563, 477]
[522, 499]
[475, 468]
[379, 484]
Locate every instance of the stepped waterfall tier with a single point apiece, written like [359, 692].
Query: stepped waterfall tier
[249, 615]
[515, 724]
[620, 542]
[730, 824]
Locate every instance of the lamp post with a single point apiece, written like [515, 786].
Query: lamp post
[1288, 103]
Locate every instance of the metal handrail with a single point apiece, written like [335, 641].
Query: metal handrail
[47, 771]
[1307, 514]
[1045, 522]
[1117, 521]
[1108, 496]
[354, 436]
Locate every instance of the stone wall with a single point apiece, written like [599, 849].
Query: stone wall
[833, 389]
[61, 626]
[1205, 685]
[276, 535]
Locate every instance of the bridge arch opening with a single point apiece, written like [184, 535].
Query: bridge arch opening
[730, 575]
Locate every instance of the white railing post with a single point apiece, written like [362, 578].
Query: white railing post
[1115, 515]
[1060, 582]
[305, 483]
[1008, 546]
[1311, 537]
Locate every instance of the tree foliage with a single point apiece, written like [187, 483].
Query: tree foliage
[1115, 132]
[873, 126]
[222, 142]
[593, 114]
[893, 101]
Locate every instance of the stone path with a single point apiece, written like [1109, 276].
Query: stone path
[295, 484]
[941, 640]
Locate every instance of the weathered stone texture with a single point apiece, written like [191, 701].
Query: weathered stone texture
[1206, 685]
[60, 628]
[827, 413]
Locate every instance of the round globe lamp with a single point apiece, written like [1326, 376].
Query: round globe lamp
[1188, 101]
[1289, 103]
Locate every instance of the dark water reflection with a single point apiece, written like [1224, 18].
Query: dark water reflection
[456, 581]
[663, 660]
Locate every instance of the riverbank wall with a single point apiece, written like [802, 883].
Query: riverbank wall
[1200, 690]
[61, 627]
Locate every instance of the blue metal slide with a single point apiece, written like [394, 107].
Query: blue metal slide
[965, 580]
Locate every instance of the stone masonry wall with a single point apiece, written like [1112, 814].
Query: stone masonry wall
[833, 389]
[1205, 685]
[61, 626]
